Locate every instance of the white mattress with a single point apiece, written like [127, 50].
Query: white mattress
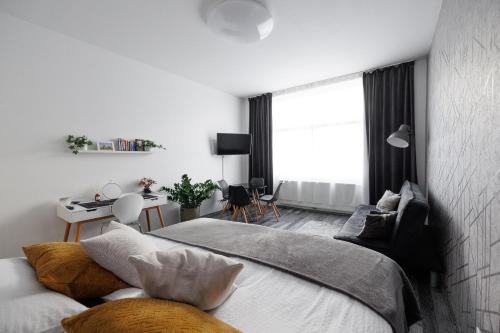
[268, 300]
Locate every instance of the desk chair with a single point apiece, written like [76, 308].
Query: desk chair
[128, 208]
[270, 200]
[224, 188]
[239, 200]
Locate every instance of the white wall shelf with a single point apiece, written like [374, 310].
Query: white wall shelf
[114, 152]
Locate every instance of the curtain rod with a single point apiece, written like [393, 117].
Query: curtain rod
[334, 79]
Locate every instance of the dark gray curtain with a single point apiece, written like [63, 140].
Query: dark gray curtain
[261, 128]
[389, 102]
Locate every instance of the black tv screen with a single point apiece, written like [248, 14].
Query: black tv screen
[233, 144]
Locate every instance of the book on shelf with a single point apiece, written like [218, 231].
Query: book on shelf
[129, 145]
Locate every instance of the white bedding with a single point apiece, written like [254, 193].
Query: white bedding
[26, 306]
[268, 300]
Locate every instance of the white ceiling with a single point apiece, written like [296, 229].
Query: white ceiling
[312, 39]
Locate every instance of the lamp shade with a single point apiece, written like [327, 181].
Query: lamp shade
[244, 21]
[400, 138]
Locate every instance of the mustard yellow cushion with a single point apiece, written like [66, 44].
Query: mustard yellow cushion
[144, 315]
[66, 268]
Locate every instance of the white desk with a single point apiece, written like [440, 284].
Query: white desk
[80, 215]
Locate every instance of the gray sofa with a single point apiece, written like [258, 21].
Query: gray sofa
[404, 245]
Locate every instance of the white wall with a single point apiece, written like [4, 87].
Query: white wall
[420, 89]
[52, 85]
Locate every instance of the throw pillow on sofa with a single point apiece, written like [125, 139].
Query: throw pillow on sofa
[378, 226]
[389, 201]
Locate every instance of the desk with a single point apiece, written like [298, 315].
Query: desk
[81, 215]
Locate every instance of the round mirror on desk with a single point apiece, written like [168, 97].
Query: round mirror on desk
[111, 191]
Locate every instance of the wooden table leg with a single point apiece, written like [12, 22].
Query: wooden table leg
[77, 234]
[257, 201]
[148, 219]
[160, 215]
[66, 231]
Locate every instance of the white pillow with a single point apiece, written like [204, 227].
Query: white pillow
[389, 201]
[202, 279]
[125, 293]
[26, 305]
[112, 249]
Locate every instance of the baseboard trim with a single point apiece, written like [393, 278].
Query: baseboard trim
[316, 209]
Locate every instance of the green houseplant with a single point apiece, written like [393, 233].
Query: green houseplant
[148, 144]
[77, 143]
[190, 196]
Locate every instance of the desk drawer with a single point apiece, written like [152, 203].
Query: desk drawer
[161, 200]
[90, 214]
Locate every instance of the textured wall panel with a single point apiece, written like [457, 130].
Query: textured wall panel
[464, 157]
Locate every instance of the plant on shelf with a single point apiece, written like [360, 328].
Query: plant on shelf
[148, 144]
[190, 196]
[77, 143]
[146, 183]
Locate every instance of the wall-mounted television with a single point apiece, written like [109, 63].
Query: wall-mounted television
[234, 144]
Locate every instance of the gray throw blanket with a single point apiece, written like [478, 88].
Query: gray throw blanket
[366, 275]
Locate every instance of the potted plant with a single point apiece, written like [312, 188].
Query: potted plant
[148, 144]
[190, 196]
[78, 143]
[146, 183]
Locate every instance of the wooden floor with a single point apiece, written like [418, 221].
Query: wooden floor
[436, 313]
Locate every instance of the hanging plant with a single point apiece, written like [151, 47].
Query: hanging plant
[77, 143]
[148, 144]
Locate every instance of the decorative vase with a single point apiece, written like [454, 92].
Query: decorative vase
[189, 213]
[147, 190]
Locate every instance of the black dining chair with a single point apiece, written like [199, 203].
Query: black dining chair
[258, 185]
[224, 188]
[239, 199]
[270, 200]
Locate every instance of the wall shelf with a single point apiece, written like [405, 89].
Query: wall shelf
[114, 152]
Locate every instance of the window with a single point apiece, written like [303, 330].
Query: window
[319, 134]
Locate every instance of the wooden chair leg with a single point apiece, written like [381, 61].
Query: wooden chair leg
[236, 213]
[224, 208]
[277, 209]
[275, 213]
[244, 212]
[66, 231]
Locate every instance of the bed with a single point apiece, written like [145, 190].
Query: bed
[268, 299]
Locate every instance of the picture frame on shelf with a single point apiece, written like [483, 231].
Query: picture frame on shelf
[105, 146]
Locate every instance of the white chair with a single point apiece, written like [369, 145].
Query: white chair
[128, 208]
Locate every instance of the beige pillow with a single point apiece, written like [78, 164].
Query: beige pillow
[202, 279]
[112, 249]
[389, 201]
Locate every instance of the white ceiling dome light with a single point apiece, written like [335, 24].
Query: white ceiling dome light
[244, 21]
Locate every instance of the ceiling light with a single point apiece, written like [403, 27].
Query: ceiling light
[245, 21]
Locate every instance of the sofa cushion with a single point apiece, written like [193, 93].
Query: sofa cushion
[412, 212]
[354, 226]
[389, 201]
[378, 226]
